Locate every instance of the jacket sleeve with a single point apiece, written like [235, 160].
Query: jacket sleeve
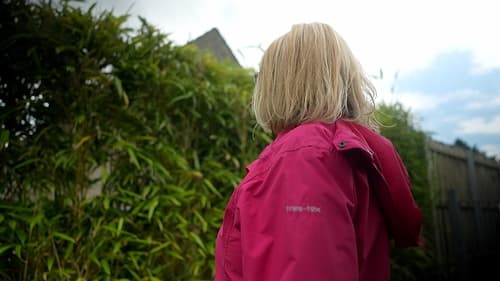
[297, 222]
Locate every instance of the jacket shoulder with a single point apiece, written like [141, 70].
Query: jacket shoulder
[309, 140]
[318, 135]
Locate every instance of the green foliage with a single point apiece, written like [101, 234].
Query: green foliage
[118, 149]
[399, 126]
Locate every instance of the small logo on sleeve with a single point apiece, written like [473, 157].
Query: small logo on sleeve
[302, 209]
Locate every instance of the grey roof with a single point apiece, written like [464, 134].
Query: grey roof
[212, 41]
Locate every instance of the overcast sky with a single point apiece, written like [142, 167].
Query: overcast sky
[446, 53]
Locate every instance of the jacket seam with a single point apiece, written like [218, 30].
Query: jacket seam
[227, 233]
[277, 154]
[291, 150]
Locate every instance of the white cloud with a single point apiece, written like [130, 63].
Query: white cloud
[491, 150]
[480, 126]
[422, 102]
[484, 103]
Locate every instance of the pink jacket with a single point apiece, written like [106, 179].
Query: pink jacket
[320, 203]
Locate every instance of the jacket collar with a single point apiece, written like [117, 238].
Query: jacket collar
[348, 135]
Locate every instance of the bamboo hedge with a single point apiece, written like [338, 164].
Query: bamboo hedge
[162, 133]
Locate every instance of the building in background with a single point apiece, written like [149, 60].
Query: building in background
[213, 42]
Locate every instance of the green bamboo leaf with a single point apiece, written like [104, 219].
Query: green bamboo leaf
[50, 263]
[64, 237]
[17, 250]
[197, 239]
[196, 160]
[60, 49]
[266, 138]
[212, 188]
[70, 69]
[145, 158]
[106, 203]
[177, 84]
[175, 255]
[133, 258]
[111, 229]
[4, 137]
[93, 258]
[104, 173]
[160, 247]
[181, 97]
[133, 158]
[35, 220]
[105, 267]
[145, 191]
[116, 247]
[133, 273]
[137, 209]
[25, 163]
[176, 246]
[175, 188]
[15, 209]
[120, 226]
[152, 208]
[5, 248]
[22, 236]
[81, 142]
[195, 269]
[160, 224]
[180, 218]
[162, 169]
[173, 200]
[121, 93]
[69, 251]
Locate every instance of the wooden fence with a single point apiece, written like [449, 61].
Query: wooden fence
[465, 192]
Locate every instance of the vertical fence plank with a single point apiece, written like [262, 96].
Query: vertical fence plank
[431, 166]
[458, 241]
[474, 192]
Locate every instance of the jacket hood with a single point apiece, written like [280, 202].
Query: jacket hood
[391, 180]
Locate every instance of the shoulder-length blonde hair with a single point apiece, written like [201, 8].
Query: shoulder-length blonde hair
[310, 74]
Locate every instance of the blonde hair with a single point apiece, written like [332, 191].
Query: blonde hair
[310, 74]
